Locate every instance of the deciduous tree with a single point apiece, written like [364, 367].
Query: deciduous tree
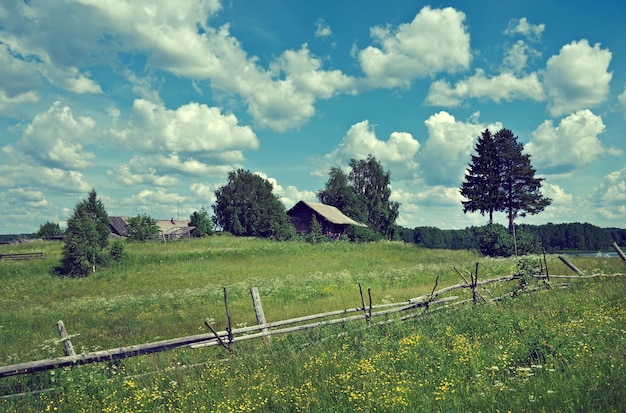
[49, 229]
[363, 195]
[202, 222]
[370, 182]
[142, 228]
[340, 194]
[246, 206]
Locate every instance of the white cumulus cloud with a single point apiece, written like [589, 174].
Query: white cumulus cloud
[56, 138]
[612, 190]
[572, 144]
[191, 128]
[622, 102]
[504, 87]
[361, 140]
[435, 41]
[577, 78]
[447, 150]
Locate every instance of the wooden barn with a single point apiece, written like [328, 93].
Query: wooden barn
[333, 222]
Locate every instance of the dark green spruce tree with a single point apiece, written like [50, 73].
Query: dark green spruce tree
[521, 190]
[482, 180]
[500, 178]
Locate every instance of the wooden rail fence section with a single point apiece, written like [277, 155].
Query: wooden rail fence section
[266, 329]
[22, 256]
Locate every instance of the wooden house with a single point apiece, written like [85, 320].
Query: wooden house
[333, 222]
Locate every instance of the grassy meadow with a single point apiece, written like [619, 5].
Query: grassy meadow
[556, 350]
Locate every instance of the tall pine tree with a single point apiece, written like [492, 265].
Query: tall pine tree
[482, 186]
[521, 190]
[501, 178]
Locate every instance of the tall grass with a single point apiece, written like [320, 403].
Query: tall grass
[561, 350]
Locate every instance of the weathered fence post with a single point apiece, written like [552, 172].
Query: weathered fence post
[619, 251]
[570, 265]
[545, 262]
[369, 293]
[258, 311]
[68, 348]
[474, 284]
[229, 329]
[367, 319]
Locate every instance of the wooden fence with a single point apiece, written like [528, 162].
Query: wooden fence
[22, 256]
[264, 330]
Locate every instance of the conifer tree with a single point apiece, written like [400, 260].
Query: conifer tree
[482, 186]
[86, 237]
[521, 190]
[500, 178]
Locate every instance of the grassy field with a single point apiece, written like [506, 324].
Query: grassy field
[559, 350]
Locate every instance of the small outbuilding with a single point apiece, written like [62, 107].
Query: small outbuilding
[333, 222]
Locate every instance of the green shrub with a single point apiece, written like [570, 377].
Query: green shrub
[116, 252]
[316, 235]
[362, 234]
[496, 241]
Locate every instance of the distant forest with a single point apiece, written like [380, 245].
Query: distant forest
[554, 237]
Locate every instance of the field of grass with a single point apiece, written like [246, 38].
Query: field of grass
[558, 350]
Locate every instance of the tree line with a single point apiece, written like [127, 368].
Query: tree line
[551, 237]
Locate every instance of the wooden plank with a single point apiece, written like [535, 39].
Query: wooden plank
[68, 348]
[258, 311]
[103, 355]
[201, 340]
[22, 256]
[619, 251]
[570, 265]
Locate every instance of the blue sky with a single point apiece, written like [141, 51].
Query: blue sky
[153, 102]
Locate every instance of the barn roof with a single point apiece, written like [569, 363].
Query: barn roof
[118, 226]
[330, 213]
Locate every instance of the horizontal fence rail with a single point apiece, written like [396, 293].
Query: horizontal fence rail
[22, 256]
